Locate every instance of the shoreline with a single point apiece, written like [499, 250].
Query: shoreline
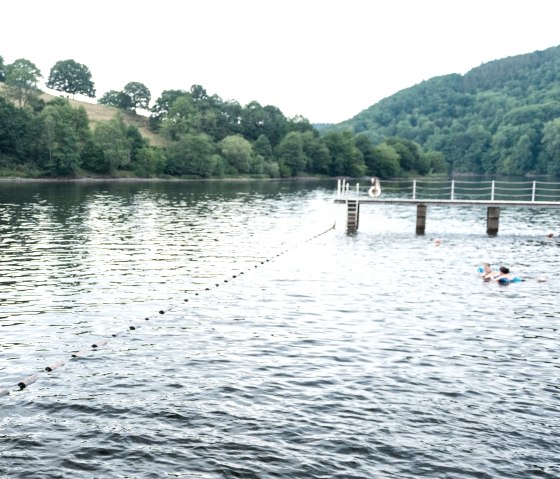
[88, 179]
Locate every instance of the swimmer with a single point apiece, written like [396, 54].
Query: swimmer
[504, 274]
[487, 273]
[506, 277]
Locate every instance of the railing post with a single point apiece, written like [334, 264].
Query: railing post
[452, 190]
[338, 184]
[534, 191]
[492, 194]
[413, 189]
[357, 189]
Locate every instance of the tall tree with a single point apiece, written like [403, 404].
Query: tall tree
[551, 147]
[139, 95]
[163, 105]
[111, 138]
[21, 80]
[118, 99]
[61, 142]
[237, 151]
[346, 158]
[194, 155]
[71, 77]
[290, 154]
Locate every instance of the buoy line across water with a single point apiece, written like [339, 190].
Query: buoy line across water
[99, 343]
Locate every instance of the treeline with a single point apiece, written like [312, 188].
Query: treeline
[204, 136]
[502, 117]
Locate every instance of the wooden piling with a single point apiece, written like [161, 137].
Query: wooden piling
[492, 220]
[353, 217]
[420, 219]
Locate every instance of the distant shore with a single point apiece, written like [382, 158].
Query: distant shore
[87, 179]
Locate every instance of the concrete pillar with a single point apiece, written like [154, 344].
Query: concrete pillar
[492, 220]
[420, 219]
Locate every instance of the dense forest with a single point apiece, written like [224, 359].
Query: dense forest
[502, 117]
[199, 135]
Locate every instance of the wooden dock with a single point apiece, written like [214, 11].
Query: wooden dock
[529, 195]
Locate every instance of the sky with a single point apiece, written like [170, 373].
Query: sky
[325, 60]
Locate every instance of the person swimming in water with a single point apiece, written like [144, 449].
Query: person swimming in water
[487, 273]
[504, 276]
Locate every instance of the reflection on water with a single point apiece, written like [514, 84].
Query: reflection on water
[373, 355]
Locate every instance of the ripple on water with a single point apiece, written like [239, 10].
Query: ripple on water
[373, 355]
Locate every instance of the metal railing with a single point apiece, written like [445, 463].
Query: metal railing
[459, 190]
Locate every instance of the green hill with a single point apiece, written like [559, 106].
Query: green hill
[97, 113]
[501, 117]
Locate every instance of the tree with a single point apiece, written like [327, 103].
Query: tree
[252, 121]
[71, 77]
[118, 99]
[290, 154]
[15, 126]
[21, 80]
[111, 138]
[317, 153]
[194, 155]
[61, 142]
[263, 148]
[275, 124]
[149, 161]
[551, 147]
[163, 105]
[346, 158]
[436, 161]
[139, 95]
[385, 161]
[180, 118]
[237, 151]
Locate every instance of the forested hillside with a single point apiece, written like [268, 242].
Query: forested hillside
[182, 134]
[501, 117]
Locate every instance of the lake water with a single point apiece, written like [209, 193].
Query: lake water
[268, 344]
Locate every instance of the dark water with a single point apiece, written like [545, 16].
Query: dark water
[296, 355]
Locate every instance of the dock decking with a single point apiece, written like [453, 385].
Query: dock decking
[491, 194]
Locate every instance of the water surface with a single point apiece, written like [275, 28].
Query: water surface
[268, 344]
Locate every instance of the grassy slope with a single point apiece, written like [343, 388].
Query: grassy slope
[97, 113]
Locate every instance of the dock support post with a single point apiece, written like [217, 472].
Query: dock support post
[353, 217]
[420, 219]
[492, 220]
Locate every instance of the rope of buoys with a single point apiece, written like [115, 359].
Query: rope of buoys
[24, 383]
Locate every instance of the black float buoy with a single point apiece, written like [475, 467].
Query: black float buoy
[161, 311]
[27, 381]
[52, 367]
[98, 343]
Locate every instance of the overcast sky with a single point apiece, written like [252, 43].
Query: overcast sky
[324, 59]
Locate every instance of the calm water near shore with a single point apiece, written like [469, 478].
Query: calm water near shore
[248, 338]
